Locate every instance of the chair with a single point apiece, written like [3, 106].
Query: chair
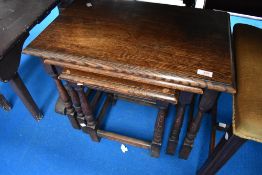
[247, 103]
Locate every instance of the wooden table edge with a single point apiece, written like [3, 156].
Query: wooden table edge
[154, 77]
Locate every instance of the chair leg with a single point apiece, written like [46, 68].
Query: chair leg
[20, 89]
[222, 153]
[4, 103]
[213, 128]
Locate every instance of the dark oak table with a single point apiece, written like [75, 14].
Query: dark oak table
[17, 17]
[175, 48]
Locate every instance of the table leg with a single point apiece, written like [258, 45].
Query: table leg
[91, 127]
[71, 113]
[20, 89]
[224, 150]
[185, 98]
[4, 103]
[159, 131]
[207, 101]
[76, 103]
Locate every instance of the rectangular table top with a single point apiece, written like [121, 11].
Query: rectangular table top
[18, 16]
[119, 86]
[143, 42]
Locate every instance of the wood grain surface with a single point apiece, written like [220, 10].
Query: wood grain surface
[120, 86]
[142, 39]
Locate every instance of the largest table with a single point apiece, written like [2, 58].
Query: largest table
[184, 49]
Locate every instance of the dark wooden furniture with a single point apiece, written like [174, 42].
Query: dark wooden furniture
[251, 7]
[4, 103]
[247, 111]
[139, 92]
[143, 43]
[16, 19]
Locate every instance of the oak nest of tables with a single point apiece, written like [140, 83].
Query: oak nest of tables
[150, 52]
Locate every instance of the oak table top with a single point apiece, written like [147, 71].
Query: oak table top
[18, 16]
[144, 42]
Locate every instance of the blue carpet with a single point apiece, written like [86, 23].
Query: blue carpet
[52, 147]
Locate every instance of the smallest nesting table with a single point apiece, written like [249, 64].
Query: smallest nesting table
[140, 50]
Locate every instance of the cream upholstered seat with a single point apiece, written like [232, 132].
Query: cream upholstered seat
[247, 117]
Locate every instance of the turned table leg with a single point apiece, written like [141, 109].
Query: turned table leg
[91, 124]
[20, 89]
[224, 150]
[4, 103]
[76, 103]
[71, 113]
[159, 131]
[207, 101]
[185, 98]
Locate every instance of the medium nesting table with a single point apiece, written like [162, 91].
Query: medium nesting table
[141, 50]
[16, 19]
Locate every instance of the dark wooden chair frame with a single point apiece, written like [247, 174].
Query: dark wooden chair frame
[225, 149]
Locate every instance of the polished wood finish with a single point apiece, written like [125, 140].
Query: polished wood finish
[226, 148]
[76, 103]
[159, 131]
[207, 102]
[140, 78]
[70, 111]
[115, 85]
[143, 50]
[124, 139]
[185, 98]
[160, 44]
[91, 124]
